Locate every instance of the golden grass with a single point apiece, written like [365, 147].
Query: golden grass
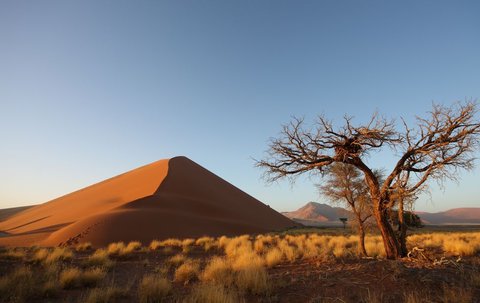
[273, 257]
[217, 270]
[187, 272]
[253, 278]
[212, 293]
[177, 259]
[153, 288]
[460, 244]
[206, 242]
[48, 256]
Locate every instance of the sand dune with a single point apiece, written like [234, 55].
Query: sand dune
[168, 198]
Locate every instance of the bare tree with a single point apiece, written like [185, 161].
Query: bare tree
[435, 149]
[345, 185]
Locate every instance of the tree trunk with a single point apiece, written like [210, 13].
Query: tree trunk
[390, 242]
[402, 230]
[361, 231]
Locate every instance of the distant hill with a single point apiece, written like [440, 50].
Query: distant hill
[314, 213]
[317, 214]
[453, 216]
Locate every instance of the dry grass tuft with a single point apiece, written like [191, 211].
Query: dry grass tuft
[153, 288]
[83, 246]
[218, 270]
[187, 272]
[177, 259]
[100, 259]
[273, 257]
[253, 278]
[207, 243]
[212, 293]
[74, 277]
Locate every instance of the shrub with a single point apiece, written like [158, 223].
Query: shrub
[153, 288]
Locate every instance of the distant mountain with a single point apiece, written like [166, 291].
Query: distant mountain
[314, 213]
[453, 216]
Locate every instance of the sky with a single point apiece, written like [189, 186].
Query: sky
[91, 89]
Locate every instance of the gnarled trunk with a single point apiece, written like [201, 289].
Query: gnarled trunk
[402, 230]
[390, 242]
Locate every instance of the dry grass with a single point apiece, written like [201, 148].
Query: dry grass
[253, 279]
[273, 257]
[18, 286]
[48, 256]
[13, 254]
[187, 272]
[213, 293]
[206, 242]
[83, 246]
[105, 295]
[153, 288]
[177, 259]
[75, 278]
[218, 270]
[100, 258]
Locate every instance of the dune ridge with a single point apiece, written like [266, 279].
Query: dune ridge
[168, 198]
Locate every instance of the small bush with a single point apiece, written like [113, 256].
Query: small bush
[153, 288]
[59, 254]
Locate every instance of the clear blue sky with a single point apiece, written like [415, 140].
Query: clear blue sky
[90, 89]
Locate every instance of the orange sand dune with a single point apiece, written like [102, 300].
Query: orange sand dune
[168, 198]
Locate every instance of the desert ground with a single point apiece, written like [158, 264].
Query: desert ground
[298, 265]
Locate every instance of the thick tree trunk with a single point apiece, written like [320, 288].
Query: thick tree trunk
[402, 230]
[390, 242]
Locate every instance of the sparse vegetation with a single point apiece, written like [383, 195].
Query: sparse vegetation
[153, 288]
[247, 268]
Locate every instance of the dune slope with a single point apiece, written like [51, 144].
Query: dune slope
[168, 198]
